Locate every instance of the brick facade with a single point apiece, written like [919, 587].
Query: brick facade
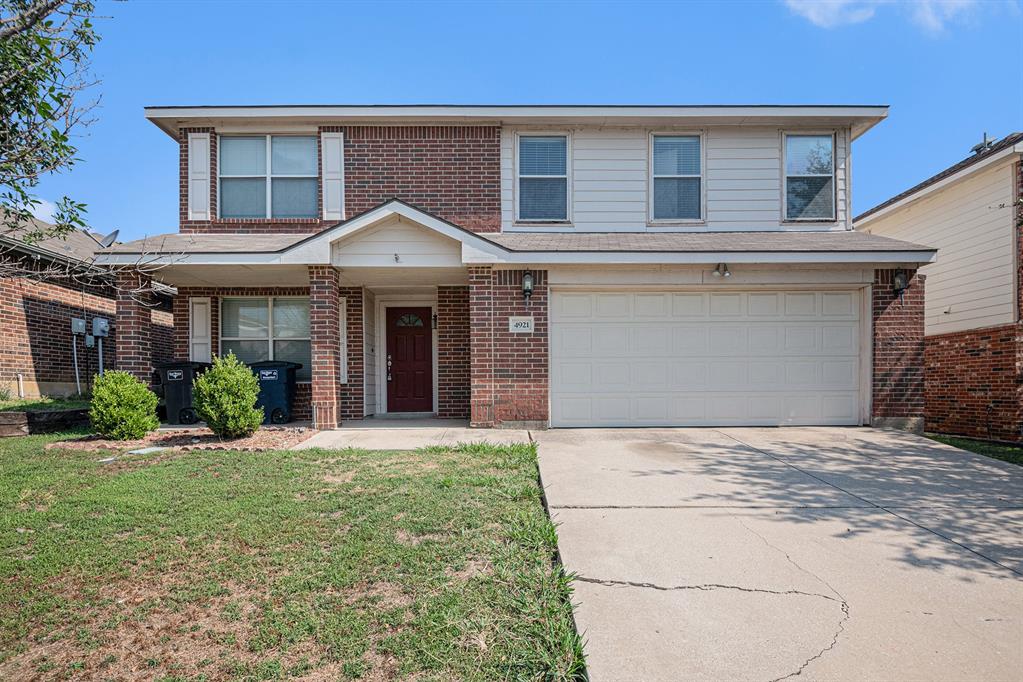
[353, 397]
[134, 352]
[453, 381]
[898, 362]
[324, 329]
[451, 171]
[974, 383]
[509, 371]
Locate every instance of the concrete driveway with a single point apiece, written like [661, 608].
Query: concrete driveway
[766, 554]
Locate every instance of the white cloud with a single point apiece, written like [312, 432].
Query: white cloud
[933, 16]
[831, 13]
[44, 210]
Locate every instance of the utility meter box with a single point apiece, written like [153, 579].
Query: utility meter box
[100, 326]
[90, 341]
[77, 326]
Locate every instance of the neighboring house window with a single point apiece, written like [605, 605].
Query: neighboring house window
[543, 178]
[809, 177]
[677, 185]
[274, 328]
[269, 176]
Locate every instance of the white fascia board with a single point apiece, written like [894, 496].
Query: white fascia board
[861, 118]
[941, 184]
[704, 257]
[510, 112]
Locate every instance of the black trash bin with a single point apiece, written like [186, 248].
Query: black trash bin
[176, 389]
[276, 389]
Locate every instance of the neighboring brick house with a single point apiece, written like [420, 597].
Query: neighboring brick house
[543, 266]
[972, 212]
[36, 313]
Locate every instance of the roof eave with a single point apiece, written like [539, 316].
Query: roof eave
[859, 118]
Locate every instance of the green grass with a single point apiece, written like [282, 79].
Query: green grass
[37, 404]
[224, 565]
[1002, 451]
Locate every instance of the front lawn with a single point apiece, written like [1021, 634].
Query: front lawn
[434, 565]
[1002, 451]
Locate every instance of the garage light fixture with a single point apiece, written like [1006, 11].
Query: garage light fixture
[722, 271]
[527, 285]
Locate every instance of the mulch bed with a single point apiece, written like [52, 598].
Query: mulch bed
[266, 438]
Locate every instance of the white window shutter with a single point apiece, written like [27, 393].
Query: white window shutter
[198, 176]
[199, 337]
[333, 174]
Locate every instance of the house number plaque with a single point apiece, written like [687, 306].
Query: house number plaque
[520, 325]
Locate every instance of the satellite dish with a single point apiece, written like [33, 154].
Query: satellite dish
[108, 240]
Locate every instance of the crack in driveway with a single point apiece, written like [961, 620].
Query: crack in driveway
[709, 587]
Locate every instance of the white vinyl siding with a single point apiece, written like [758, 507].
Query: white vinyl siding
[971, 285]
[609, 178]
[702, 358]
[397, 244]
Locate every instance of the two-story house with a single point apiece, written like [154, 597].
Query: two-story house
[972, 211]
[541, 265]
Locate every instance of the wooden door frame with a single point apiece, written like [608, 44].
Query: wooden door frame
[383, 302]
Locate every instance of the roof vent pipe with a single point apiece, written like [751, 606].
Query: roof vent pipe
[984, 145]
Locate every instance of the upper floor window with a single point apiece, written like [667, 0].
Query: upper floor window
[809, 177]
[677, 183]
[269, 176]
[543, 178]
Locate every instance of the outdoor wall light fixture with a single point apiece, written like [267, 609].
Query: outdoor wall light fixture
[722, 271]
[901, 282]
[527, 285]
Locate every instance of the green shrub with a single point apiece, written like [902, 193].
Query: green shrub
[225, 397]
[122, 407]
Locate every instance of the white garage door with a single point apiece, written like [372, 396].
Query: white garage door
[705, 358]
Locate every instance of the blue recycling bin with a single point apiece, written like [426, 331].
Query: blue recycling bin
[276, 389]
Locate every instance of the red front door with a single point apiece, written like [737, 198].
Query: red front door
[409, 360]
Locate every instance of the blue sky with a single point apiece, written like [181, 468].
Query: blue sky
[950, 71]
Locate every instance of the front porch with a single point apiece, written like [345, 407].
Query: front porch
[388, 316]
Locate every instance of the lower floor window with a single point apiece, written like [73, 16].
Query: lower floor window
[267, 328]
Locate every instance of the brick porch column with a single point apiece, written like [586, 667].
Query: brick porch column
[898, 324]
[133, 325]
[324, 330]
[481, 346]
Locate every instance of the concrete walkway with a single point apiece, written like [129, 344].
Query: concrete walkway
[766, 554]
[409, 434]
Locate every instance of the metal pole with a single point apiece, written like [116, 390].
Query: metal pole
[99, 340]
[74, 347]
